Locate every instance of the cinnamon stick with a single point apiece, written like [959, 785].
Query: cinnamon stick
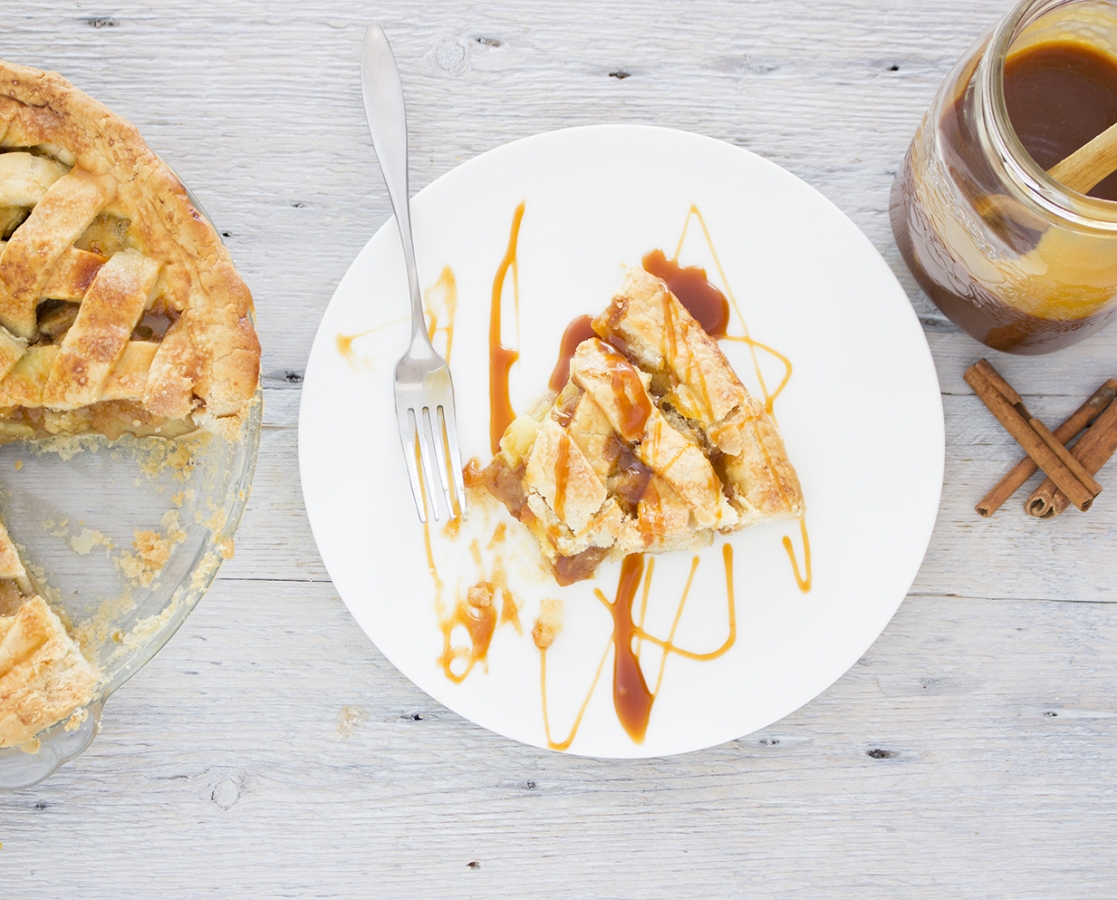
[1093, 450]
[1066, 458]
[1016, 476]
[1010, 411]
[1056, 446]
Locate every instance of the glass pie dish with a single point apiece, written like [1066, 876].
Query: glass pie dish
[123, 538]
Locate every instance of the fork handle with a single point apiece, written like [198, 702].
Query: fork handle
[387, 122]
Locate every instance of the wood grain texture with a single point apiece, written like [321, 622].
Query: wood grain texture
[270, 751]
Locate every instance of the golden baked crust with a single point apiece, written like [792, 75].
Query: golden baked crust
[653, 444]
[92, 215]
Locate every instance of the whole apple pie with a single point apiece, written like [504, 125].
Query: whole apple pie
[120, 313]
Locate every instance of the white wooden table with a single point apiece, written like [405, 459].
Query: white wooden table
[270, 751]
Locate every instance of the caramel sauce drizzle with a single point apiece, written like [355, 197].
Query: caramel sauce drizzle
[632, 699]
[695, 213]
[478, 616]
[635, 405]
[565, 743]
[344, 344]
[562, 474]
[580, 329]
[480, 623]
[804, 580]
[704, 301]
[501, 358]
[441, 298]
[446, 289]
[509, 610]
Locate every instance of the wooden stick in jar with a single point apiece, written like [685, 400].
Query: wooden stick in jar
[1090, 164]
[1016, 476]
[1010, 411]
[1093, 450]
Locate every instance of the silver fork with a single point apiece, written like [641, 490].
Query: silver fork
[424, 392]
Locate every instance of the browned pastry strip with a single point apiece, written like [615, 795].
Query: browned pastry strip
[564, 478]
[25, 384]
[175, 368]
[72, 274]
[55, 223]
[25, 178]
[97, 339]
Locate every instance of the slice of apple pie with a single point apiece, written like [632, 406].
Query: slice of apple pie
[653, 444]
[43, 675]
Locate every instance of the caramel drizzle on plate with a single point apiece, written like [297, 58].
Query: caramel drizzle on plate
[476, 614]
[344, 344]
[440, 301]
[446, 291]
[501, 358]
[804, 579]
[580, 329]
[633, 700]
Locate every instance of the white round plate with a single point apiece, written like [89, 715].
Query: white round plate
[861, 418]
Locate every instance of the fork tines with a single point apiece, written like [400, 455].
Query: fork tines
[430, 432]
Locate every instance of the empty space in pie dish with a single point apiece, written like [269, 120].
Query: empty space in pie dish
[124, 538]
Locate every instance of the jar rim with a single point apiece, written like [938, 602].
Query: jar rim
[1033, 185]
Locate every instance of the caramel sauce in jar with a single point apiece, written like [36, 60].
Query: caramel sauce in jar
[1022, 263]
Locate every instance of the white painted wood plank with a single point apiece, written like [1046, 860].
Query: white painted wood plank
[992, 728]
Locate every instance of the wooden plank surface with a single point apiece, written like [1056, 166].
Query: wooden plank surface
[270, 751]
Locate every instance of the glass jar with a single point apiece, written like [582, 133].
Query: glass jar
[1021, 262]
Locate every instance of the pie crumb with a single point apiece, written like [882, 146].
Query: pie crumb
[349, 719]
[76, 720]
[549, 623]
